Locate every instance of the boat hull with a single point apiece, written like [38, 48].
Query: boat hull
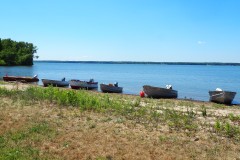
[21, 79]
[157, 92]
[110, 89]
[77, 84]
[55, 83]
[225, 97]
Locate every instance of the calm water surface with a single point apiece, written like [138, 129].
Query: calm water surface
[191, 81]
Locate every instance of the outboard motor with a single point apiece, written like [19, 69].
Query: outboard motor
[168, 86]
[116, 84]
[63, 79]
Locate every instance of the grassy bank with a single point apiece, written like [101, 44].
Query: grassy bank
[53, 123]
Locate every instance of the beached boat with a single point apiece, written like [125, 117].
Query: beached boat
[111, 88]
[158, 92]
[21, 79]
[78, 84]
[225, 97]
[55, 83]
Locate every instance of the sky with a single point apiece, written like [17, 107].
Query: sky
[126, 30]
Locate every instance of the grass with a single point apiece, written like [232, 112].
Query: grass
[2, 82]
[227, 129]
[54, 123]
[204, 111]
[132, 109]
[87, 101]
[21, 144]
[234, 118]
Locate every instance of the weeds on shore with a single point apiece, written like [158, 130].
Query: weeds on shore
[204, 111]
[227, 129]
[144, 111]
[129, 108]
[234, 118]
[2, 82]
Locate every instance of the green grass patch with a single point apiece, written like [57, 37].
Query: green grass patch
[2, 82]
[186, 104]
[227, 129]
[216, 105]
[21, 144]
[129, 107]
[180, 120]
[204, 111]
[234, 118]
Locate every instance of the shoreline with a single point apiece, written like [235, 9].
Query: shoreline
[133, 76]
[22, 86]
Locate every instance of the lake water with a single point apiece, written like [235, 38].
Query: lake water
[191, 81]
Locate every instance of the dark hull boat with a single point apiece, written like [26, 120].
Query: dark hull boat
[110, 88]
[55, 83]
[21, 79]
[157, 92]
[78, 84]
[225, 97]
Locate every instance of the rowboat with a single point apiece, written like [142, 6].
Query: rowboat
[111, 88]
[55, 83]
[77, 84]
[21, 78]
[225, 97]
[158, 92]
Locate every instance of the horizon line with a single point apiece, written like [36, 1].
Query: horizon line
[142, 62]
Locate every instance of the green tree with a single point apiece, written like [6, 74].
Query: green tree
[16, 53]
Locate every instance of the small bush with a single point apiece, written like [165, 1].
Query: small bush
[226, 129]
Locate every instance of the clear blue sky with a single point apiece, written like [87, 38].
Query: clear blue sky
[126, 30]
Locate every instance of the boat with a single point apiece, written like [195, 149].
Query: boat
[55, 83]
[111, 88]
[78, 84]
[21, 78]
[158, 92]
[220, 96]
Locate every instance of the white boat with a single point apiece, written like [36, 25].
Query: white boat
[55, 83]
[111, 88]
[78, 84]
[158, 92]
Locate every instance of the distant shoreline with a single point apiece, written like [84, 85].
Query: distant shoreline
[133, 62]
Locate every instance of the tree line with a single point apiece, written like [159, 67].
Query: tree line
[14, 53]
